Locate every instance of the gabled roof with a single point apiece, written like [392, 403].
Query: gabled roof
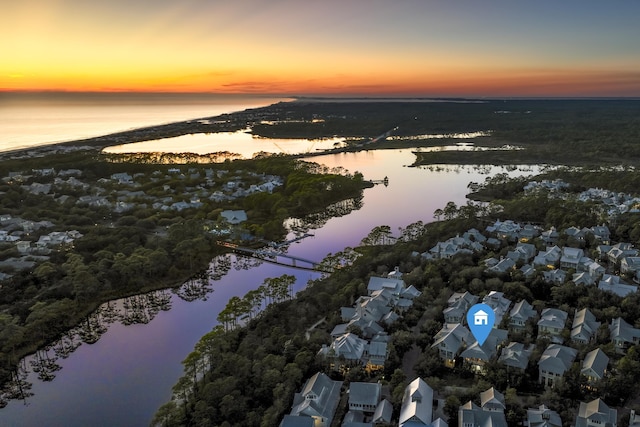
[522, 310]
[411, 292]
[379, 283]
[597, 412]
[465, 300]
[364, 393]
[488, 349]
[383, 412]
[584, 325]
[583, 278]
[471, 414]
[543, 417]
[297, 421]
[553, 318]
[492, 399]
[417, 403]
[350, 346]
[452, 336]
[622, 331]
[595, 361]
[557, 358]
[319, 397]
[516, 355]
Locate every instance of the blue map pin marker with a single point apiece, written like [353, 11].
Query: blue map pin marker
[480, 319]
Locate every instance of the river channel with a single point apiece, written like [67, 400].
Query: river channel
[123, 377]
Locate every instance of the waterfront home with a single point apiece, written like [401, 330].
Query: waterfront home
[417, 404]
[594, 366]
[318, 400]
[542, 417]
[551, 323]
[554, 362]
[623, 335]
[584, 327]
[489, 413]
[596, 414]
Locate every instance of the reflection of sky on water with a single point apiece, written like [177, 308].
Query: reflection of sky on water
[242, 143]
[124, 377]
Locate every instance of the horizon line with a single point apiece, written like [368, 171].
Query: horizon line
[344, 96]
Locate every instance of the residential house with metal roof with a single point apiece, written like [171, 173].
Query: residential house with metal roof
[318, 399]
[594, 366]
[417, 404]
[450, 341]
[476, 356]
[554, 362]
[489, 414]
[521, 312]
[364, 397]
[584, 326]
[542, 417]
[623, 335]
[516, 355]
[596, 414]
[551, 323]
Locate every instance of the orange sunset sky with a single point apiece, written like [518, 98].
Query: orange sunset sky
[343, 47]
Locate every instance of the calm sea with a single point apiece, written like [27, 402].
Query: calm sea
[31, 119]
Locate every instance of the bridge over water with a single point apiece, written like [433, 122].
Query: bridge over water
[278, 258]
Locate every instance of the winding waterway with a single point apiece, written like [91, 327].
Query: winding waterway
[122, 378]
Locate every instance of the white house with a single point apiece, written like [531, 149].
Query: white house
[417, 404]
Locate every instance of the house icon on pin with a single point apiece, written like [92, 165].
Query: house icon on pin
[480, 318]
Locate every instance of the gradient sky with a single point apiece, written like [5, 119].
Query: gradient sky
[297, 47]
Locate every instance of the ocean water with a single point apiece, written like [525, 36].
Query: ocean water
[32, 119]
